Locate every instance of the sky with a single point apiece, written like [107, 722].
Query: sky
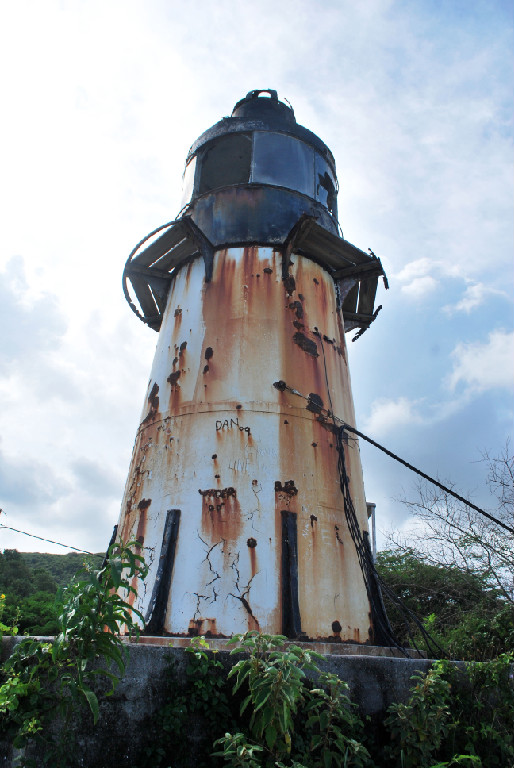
[100, 103]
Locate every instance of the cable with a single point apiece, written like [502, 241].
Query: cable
[50, 541]
[281, 385]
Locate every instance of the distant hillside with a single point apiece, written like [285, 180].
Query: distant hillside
[30, 580]
[61, 568]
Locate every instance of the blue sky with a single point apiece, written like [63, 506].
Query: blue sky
[101, 101]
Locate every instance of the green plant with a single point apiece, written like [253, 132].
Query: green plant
[9, 629]
[459, 716]
[466, 760]
[45, 683]
[333, 728]
[237, 752]
[418, 727]
[483, 710]
[291, 723]
[207, 687]
[275, 683]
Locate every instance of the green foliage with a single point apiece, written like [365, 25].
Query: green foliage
[333, 728]
[459, 716]
[291, 724]
[11, 629]
[237, 752]
[61, 568]
[49, 682]
[275, 686]
[482, 710]
[418, 727]
[454, 716]
[30, 581]
[463, 613]
[203, 699]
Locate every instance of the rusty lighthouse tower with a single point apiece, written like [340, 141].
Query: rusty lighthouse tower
[234, 488]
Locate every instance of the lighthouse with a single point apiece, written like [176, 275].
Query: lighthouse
[234, 487]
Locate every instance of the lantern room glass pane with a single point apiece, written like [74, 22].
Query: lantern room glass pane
[227, 161]
[326, 184]
[188, 182]
[282, 160]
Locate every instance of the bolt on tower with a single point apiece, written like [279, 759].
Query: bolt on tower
[234, 487]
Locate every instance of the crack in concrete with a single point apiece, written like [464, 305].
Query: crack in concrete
[243, 595]
[198, 599]
[216, 574]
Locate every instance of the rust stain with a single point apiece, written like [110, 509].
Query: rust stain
[188, 274]
[308, 345]
[253, 559]
[287, 488]
[205, 627]
[253, 624]
[289, 284]
[221, 514]
[173, 378]
[296, 306]
[178, 318]
[153, 401]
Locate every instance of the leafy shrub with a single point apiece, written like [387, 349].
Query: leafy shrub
[462, 716]
[418, 727]
[45, 683]
[308, 727]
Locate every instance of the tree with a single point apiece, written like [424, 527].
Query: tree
[462, 612]
[475, 555]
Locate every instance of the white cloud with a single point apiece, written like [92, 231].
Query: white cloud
[390, 414]
[420, 287]
[473, 297]
[416, 279]
[482, 366]
[415, 269]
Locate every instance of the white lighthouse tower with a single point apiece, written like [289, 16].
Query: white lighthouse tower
[234, 489]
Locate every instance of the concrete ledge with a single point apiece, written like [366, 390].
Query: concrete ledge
[327, 649]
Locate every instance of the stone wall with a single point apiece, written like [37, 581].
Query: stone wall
[123, 728]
